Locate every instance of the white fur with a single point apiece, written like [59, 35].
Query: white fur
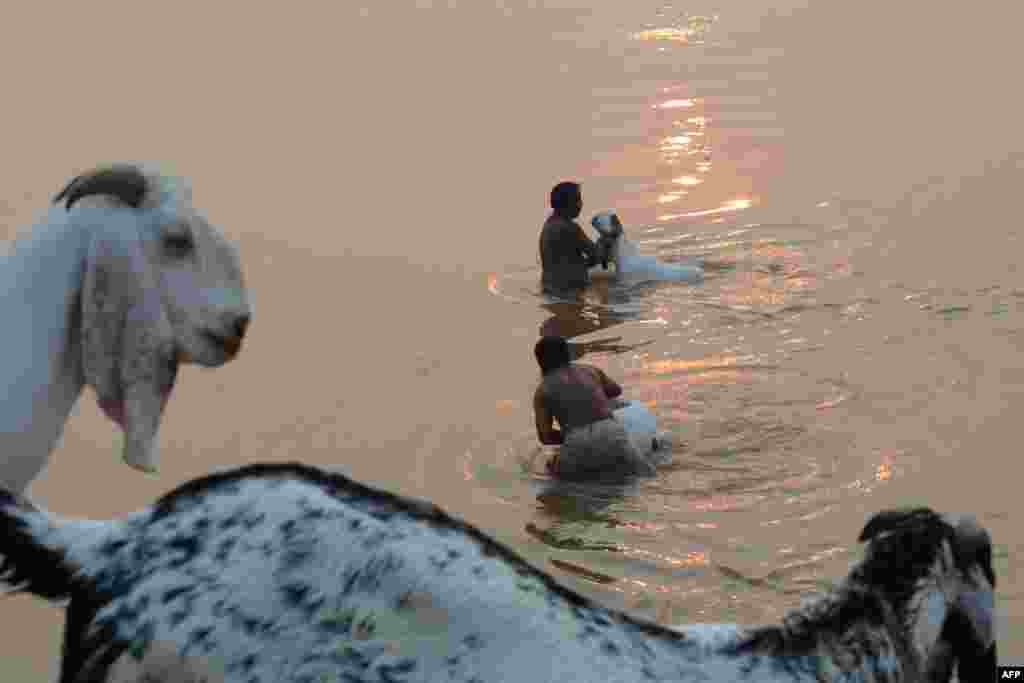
[642, 429]
[163, 664]
[631, 264]
[281, 572]
[94, 297]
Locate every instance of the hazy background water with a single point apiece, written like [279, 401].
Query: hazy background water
[849, 170]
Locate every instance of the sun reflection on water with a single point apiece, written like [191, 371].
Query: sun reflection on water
[761, 450]
[730, 206]
[684, 103]
[692, 29]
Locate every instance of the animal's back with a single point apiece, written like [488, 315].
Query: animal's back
[283, 580]
[284, 573]
[633, 265]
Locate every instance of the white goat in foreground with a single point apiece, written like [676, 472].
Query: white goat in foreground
[116, 284]
[630, 264]
[282, 573]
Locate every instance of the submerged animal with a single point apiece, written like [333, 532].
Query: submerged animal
[630, 263]
[642, 429]
[283, 573]
[116, 284]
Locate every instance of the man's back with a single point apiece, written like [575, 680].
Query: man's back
[565, 253]
[578, 395]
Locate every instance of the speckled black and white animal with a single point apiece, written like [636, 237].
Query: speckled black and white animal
[280, 573]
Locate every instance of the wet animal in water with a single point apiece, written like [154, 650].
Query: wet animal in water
[630, 264]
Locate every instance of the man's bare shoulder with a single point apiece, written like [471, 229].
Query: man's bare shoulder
[560, 224]
[554, 223]
[592, 369]
[603, 379]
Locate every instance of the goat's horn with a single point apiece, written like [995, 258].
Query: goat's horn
[125, 182]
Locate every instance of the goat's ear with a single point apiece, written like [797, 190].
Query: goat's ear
[979, 609]
[973, 547]
[970, 634]
[891, 520]
[123, 181]
[978, 667]
[127, 340]
[604, 251]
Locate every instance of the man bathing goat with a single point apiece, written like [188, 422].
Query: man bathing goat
[582, 399]
[567, 253]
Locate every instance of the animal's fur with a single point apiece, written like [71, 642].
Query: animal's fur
[284, 573]
[163, 664]
[119, 281]
[630, 264]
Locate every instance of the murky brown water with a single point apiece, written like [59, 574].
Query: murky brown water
[849, 169]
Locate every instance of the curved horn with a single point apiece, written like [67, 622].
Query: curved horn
[127, 183]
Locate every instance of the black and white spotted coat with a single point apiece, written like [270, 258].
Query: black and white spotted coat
[284, 573]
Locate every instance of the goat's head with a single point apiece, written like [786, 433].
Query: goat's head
[610, 229]
[160, 286]
[608, 225]
[937, 573]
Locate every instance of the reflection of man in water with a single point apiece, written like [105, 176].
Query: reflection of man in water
[581, 398]
[574, 319]
[565, 250]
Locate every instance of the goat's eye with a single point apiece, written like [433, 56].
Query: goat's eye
[178, 245]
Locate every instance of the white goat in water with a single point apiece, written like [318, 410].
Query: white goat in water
[116, 284]
[630, 263]
[282, 573]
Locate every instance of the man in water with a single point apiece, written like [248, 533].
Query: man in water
[565, 250]
[581, 398]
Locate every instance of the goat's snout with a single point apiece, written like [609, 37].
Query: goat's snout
[241, 324]
[228, 335]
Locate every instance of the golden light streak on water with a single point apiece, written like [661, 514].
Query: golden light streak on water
[677, 104]
[677, 140]
[730, 206]
[670, 365]
[688, 180]
[670, 197]
[670, 34]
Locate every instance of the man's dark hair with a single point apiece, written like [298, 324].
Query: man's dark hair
[552, 353]
[564, 194]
